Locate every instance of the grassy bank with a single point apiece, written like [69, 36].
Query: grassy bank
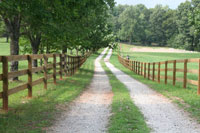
[126, 117]
[186, 98]
[34, 115]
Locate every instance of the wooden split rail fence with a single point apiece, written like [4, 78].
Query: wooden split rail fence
[67, 65]
[153, 70]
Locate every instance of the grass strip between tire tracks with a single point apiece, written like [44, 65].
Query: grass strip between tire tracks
[126, 117]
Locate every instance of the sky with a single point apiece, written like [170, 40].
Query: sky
[173, 4]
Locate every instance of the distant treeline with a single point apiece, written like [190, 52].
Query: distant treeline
[179, 28]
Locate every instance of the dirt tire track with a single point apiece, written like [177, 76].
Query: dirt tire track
[90, 112]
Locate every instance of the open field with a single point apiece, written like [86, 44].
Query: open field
[150, 57]
[187, 98]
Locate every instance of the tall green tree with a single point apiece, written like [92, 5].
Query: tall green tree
[11, 13]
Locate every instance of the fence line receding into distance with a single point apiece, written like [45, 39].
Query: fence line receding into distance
[153, 70]
[67, 65]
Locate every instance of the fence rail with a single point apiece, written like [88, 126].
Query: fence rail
[152, 71]
[67, 65]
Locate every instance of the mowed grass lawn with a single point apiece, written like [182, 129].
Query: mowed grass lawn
[186, 98]
[34, 115]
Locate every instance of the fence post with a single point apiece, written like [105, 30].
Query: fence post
[5, 83]
[166, 62]
[65, 65]
[198, 89]
[174, 73]
[79, 62]
[159, 72]
[139, 68]
[73, 66]
[54, 68]
[145, 70]
[134, 65]
[185, 73]
[61, 66]
[142, 68]
[45, 71]
[148, 70]
[30, 61]
[153, 72]
[68, 67]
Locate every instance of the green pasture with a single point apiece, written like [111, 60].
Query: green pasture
[160, 57]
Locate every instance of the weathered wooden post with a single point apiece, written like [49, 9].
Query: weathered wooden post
[174, 72]
[134, 66]
[5, 82]
[159, 72]
[148, 70]
[65, 65]
[54, 68]
[145, 67]
[61, 62]
[198, 88]
[185, 74]
[45, 71]
[30, 61]
[153, 72]
[138, 68]
[142, 68]
[166, 68]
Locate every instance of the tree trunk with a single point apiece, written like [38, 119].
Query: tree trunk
[13, 26]
[130, 40]
[35, 51]
[35, 43]
[14, 50]
[64, 50]
[41, 52]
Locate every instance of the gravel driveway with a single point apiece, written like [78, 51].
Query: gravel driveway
[90, 112]
[160, 113]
